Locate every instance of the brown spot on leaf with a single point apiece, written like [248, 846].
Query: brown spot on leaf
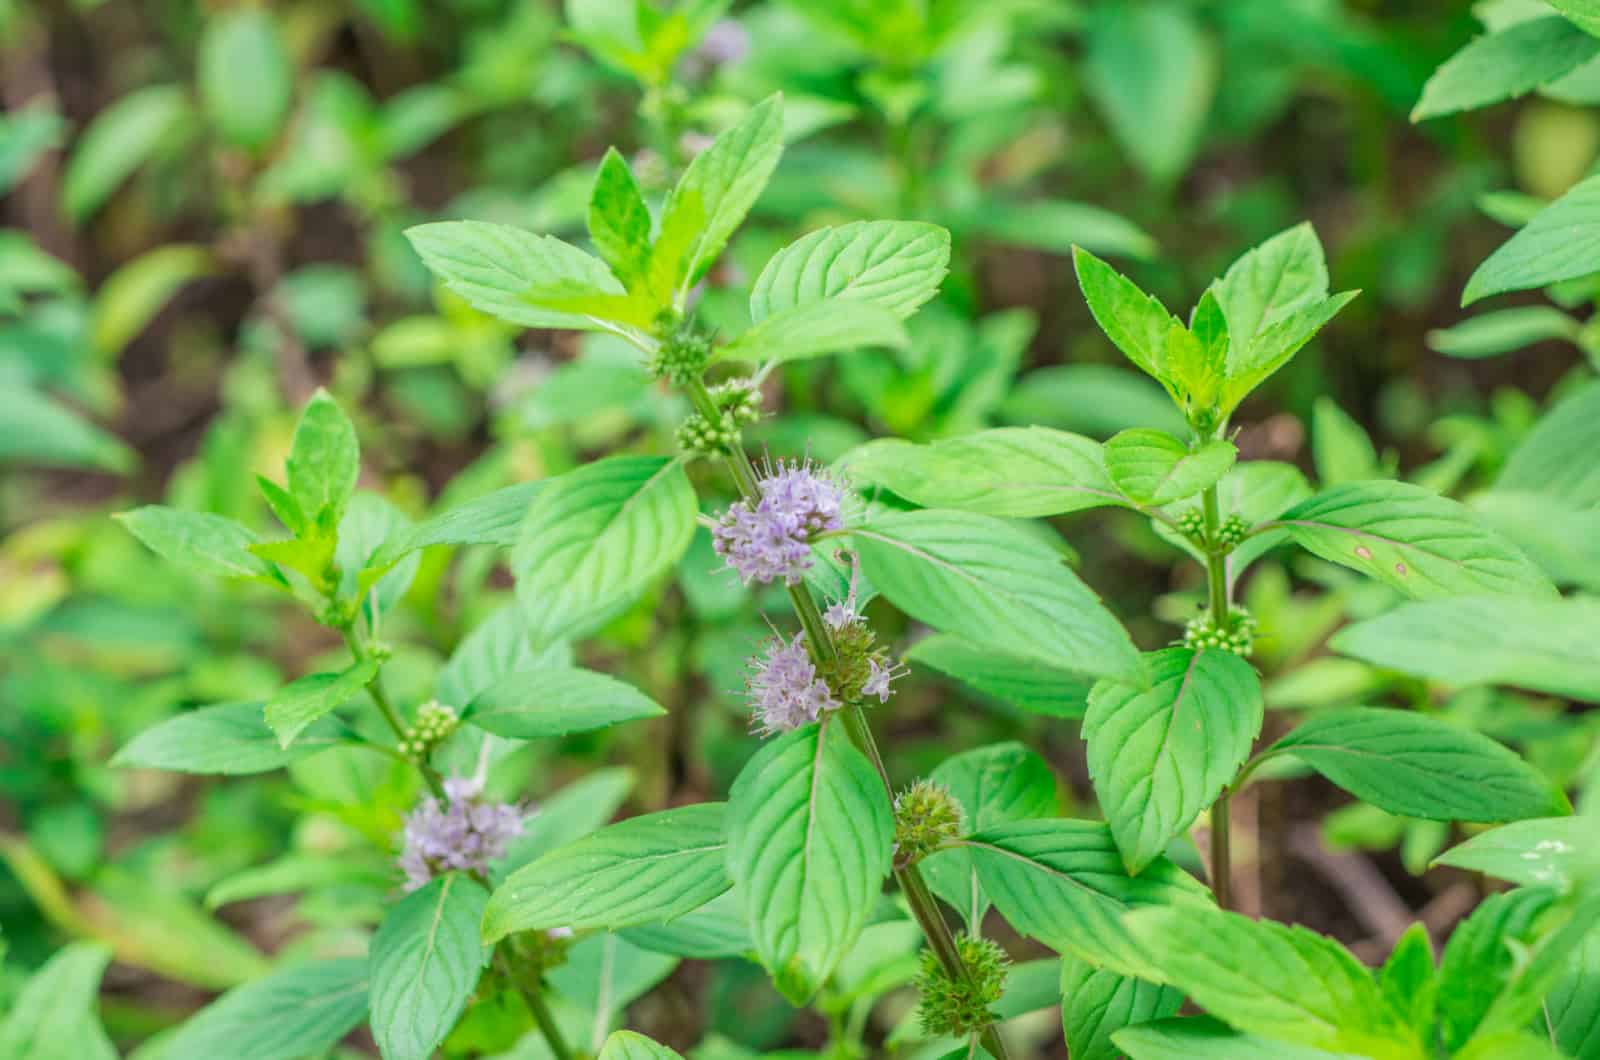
[1363, 551]
[1400, 569]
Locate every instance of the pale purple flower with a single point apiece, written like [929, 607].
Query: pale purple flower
[785, 690]
[725, 42]
[771, 538]
[460, 832]
[877, 682]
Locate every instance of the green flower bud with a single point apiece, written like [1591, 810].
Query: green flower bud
[433, 725]
[739, 403]
[926, 816]
[954, 1008]
[1238, 636]
[683, 353]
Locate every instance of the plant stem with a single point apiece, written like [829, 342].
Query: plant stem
[390, 715]
[533, 996]
[820, 640]
[1217, 580]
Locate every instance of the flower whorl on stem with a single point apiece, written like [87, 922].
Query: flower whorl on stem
[770, 538]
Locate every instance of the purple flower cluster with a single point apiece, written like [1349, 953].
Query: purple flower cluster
[459, 832]
[785, 689]
[771, 539]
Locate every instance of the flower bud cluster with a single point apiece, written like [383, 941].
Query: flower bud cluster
[738, 404]
[433, 725]
[1233, 531]
[1238, 636]
[683, 353]
[926, 816]
[957, 1008]
[1192, 525]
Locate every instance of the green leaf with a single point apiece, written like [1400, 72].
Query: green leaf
[197, 541]
[1502, 331]
[532, 280]
[118, 141]
[1019, 472]
[1414, 765]
[1480, 958]
[994, 785]
[1062, 882]
[1505, 64]
[1279, 981]
[714, 930]
[712, 197]
[53, 1016]
[567, 816]
[1275, 345]
[602, 976]
[1136, 323]
[1545, 645]
[626, 1045]
[301, 702]
[26, 133]
[1057, 225]
[1411, 539]
[1562, 242]
[992, 584]
[1573, 1005]
[1154, 468]
[424, 964]
[596, 538]
[1554, 852]
[1160, 756]
[231, 738]
[246, 78]
[1095, 399]
[809, 837]
[1097, 1003]
[1543, 462]
[1586, 13]
[895, 265]
[556, 700]
[496, 649]
[324, 462]
[1267, 285]
[816, 329]
[132, 296]
[1023, 683]
[492, 519]
[619, 220]
[298, 1010]
[369, 520]
[1536, 970]
[35, 429]
[1409, 981]
[1340, 447]
[1153, 71]
[652, 868]
[1203, 1038]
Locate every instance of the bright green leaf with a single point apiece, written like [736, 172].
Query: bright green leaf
[1555, 852]
[1562, 242]
[815, 329]
[1023, 683]
[1502, 331]
[53, 1016]
[298, 1010]
[1154, 468]
[652, 868]
[626, 1045]
[231, 738]
[118, 141]
[553, 701]
[619, 220]
[132, 296]
[197, 541]
[324, 462]
[1505, 64]
[895, 265]
[1097, 1003]
[246, 78]
[303, 701]
[424, 964]
[1204, 1038]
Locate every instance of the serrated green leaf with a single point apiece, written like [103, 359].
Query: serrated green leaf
[1341, 449]
[1136, 323]
[53, 1016]
[1019, 472]
[493, 519]
[596, 538]
[646, 869]
[816, 329]
[626, 1045]
[1554, 852]
[619, 220]
[1062, 882]
[1160, 756]
[567, 816]
[324, 462]
[556, 700]
[1586, 13]
[602, 976]
[1414, 765]
[198, 541]
[716, 929]
[1480, 958]
[1502, 331]
[230, 738]
[1023, 683]
[895, 265]
[496, 649]
[712, 197]
[1204, 1038]
[301, 702]
[1562, 242]
[1531, 643]
[118, 141]
[1409, 981]
[809, 837]
[1268, 284]
[1279, 981]
[298, 1010]
[1422, 544]
[1505, 64]
[245, 76]
[996, 784]
[1274, 346]
[424, 965]
[1543, 462]
[1097, 1003]
[532, 280]
[1573, 1004]
[992, 584]
[1154, 468]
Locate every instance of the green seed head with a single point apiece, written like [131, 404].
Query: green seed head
[950, 1007]
[926, 816]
